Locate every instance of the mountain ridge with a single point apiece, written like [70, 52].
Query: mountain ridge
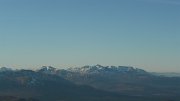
[46, 87]
[92, 82]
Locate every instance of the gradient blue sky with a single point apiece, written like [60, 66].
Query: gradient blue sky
[62, 33]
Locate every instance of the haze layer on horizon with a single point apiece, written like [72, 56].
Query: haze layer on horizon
[67, 33]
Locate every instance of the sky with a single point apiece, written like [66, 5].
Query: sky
[69, 33]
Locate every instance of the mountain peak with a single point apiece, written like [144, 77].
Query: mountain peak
[47, 69]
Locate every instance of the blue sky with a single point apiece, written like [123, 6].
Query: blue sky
[63, 33]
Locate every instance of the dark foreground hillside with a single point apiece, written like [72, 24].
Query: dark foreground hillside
[11, 98]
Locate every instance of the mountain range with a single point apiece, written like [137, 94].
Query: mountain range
[90, 83]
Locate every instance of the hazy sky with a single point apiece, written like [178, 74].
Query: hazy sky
[62, 33]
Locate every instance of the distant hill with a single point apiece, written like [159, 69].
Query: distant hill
[167, 74]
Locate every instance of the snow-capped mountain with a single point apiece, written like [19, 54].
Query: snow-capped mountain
[124, 80]
[105, 69]
[47, 87]
[47, 70]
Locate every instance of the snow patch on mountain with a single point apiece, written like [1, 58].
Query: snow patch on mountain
[105, 69]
